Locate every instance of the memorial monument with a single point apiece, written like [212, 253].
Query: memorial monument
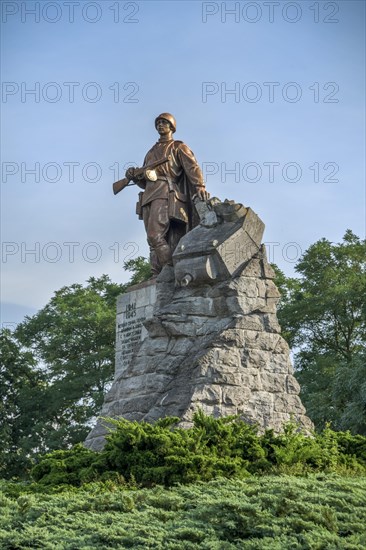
[171, 179]
[203, 332]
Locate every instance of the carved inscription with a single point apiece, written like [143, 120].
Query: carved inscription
[130, 310]
[133, 308]
[129, 333]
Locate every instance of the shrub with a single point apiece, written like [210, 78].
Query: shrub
[72, 467]
[164, 454]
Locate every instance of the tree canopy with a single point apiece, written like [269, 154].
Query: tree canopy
[21, 404]
[56, 368]
[323, 315]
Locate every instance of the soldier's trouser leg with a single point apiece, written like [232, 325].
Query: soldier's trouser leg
[156, 220]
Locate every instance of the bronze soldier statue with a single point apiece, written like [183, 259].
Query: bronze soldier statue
[166, 204]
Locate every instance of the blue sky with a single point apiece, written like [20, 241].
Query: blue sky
[138, 59]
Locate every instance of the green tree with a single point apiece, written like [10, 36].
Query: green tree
[22, 405]
[140, 268]
[72, 337]
[56, 368]
[323, 314]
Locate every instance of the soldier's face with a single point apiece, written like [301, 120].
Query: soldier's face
[163, 126]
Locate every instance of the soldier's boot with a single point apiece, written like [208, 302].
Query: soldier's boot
[164, 255]
[155, 265]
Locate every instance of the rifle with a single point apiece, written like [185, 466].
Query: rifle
[140, 173]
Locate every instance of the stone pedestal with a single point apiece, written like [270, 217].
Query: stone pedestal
[211, 341]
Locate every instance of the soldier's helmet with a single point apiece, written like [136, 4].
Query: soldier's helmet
[169, 118]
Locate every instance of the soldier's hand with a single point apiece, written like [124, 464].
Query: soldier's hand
[202, 194]
[130, 173]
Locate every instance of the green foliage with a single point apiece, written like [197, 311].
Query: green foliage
[56, 368]
[267, 513]
[72, 337]
[323, 315]
[54, 371]
[164, 454]
[68, 467]
[140, 268]
[21, 404]
[157, 454]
